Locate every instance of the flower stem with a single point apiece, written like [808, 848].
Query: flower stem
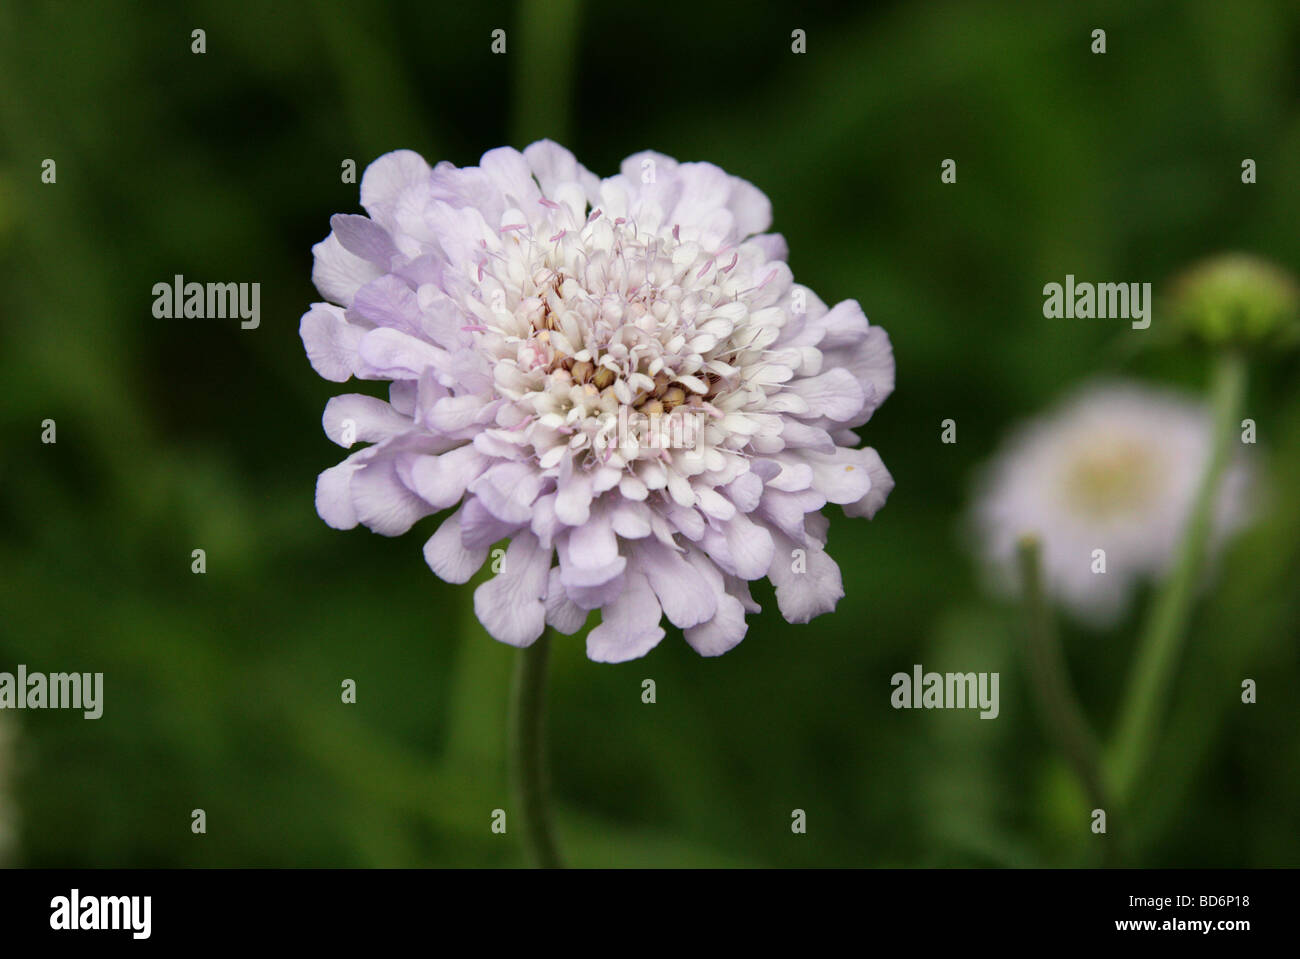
[528, 754]
[1050, 678]
[1161, 641]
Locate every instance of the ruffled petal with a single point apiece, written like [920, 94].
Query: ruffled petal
[355, 417]
[511, 605]
[386, 178]
[337, 273]
[882, 484]
[629, 627]
[807, 581]
[332, 343]
[686, 597]
[447, 555]
[562, 613]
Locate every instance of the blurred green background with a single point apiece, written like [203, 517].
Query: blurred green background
[222, 691]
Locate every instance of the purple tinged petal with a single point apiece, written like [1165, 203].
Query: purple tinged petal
[562, 613]
[508, 491]
[442, 480]
[750, 546]
[589, 555]
[881, 485]
[555, 166]
[723, 632]
[714, 504]
[447, 555]
[545, 524]
[389, 302]
[382, 501]
[337, 273]
[773, 246]
[479, 528]
[794, 475]
[399, 356]
[511, 605]
[355, 417]
[363, 237]
[745, 491]
[509, 173]
[751, 208]
[788, 511]
[807, 581]
[386, 178]
[845, 476]
[836, 394]
[629, 627]
[334, 494]
[331, 342]
[687, 598]
[453, 414]
[631, 520]
[843, 325]
[573, 499]
[799, 435]
[872, 362]
[596, 597]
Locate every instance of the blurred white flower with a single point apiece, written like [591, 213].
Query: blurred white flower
[1114, 468]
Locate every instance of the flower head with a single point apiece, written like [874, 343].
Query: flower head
[620, 376]
[1116, 469]
[1237, 299]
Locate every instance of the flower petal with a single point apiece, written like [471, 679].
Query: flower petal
[355, 417]
[442, 480]
[337, 273]
[629, 627]
[686, 597]
[721, 633]
[881, 486]
[447, 555]
[382, 501]
[807, 581]
[511, 604]
[562, 613]
[386, 178]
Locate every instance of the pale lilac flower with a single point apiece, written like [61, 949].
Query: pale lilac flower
[1115, 468]
[524, 310]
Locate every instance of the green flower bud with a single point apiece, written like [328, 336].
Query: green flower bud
[1237, 299]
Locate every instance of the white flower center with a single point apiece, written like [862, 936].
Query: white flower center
[615, 346]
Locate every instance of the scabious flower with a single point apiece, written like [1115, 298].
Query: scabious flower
[620, 376]
[1116, 468]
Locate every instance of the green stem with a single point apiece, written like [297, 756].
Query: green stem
[1050, 679]
[528, 754]
[1162, 639]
